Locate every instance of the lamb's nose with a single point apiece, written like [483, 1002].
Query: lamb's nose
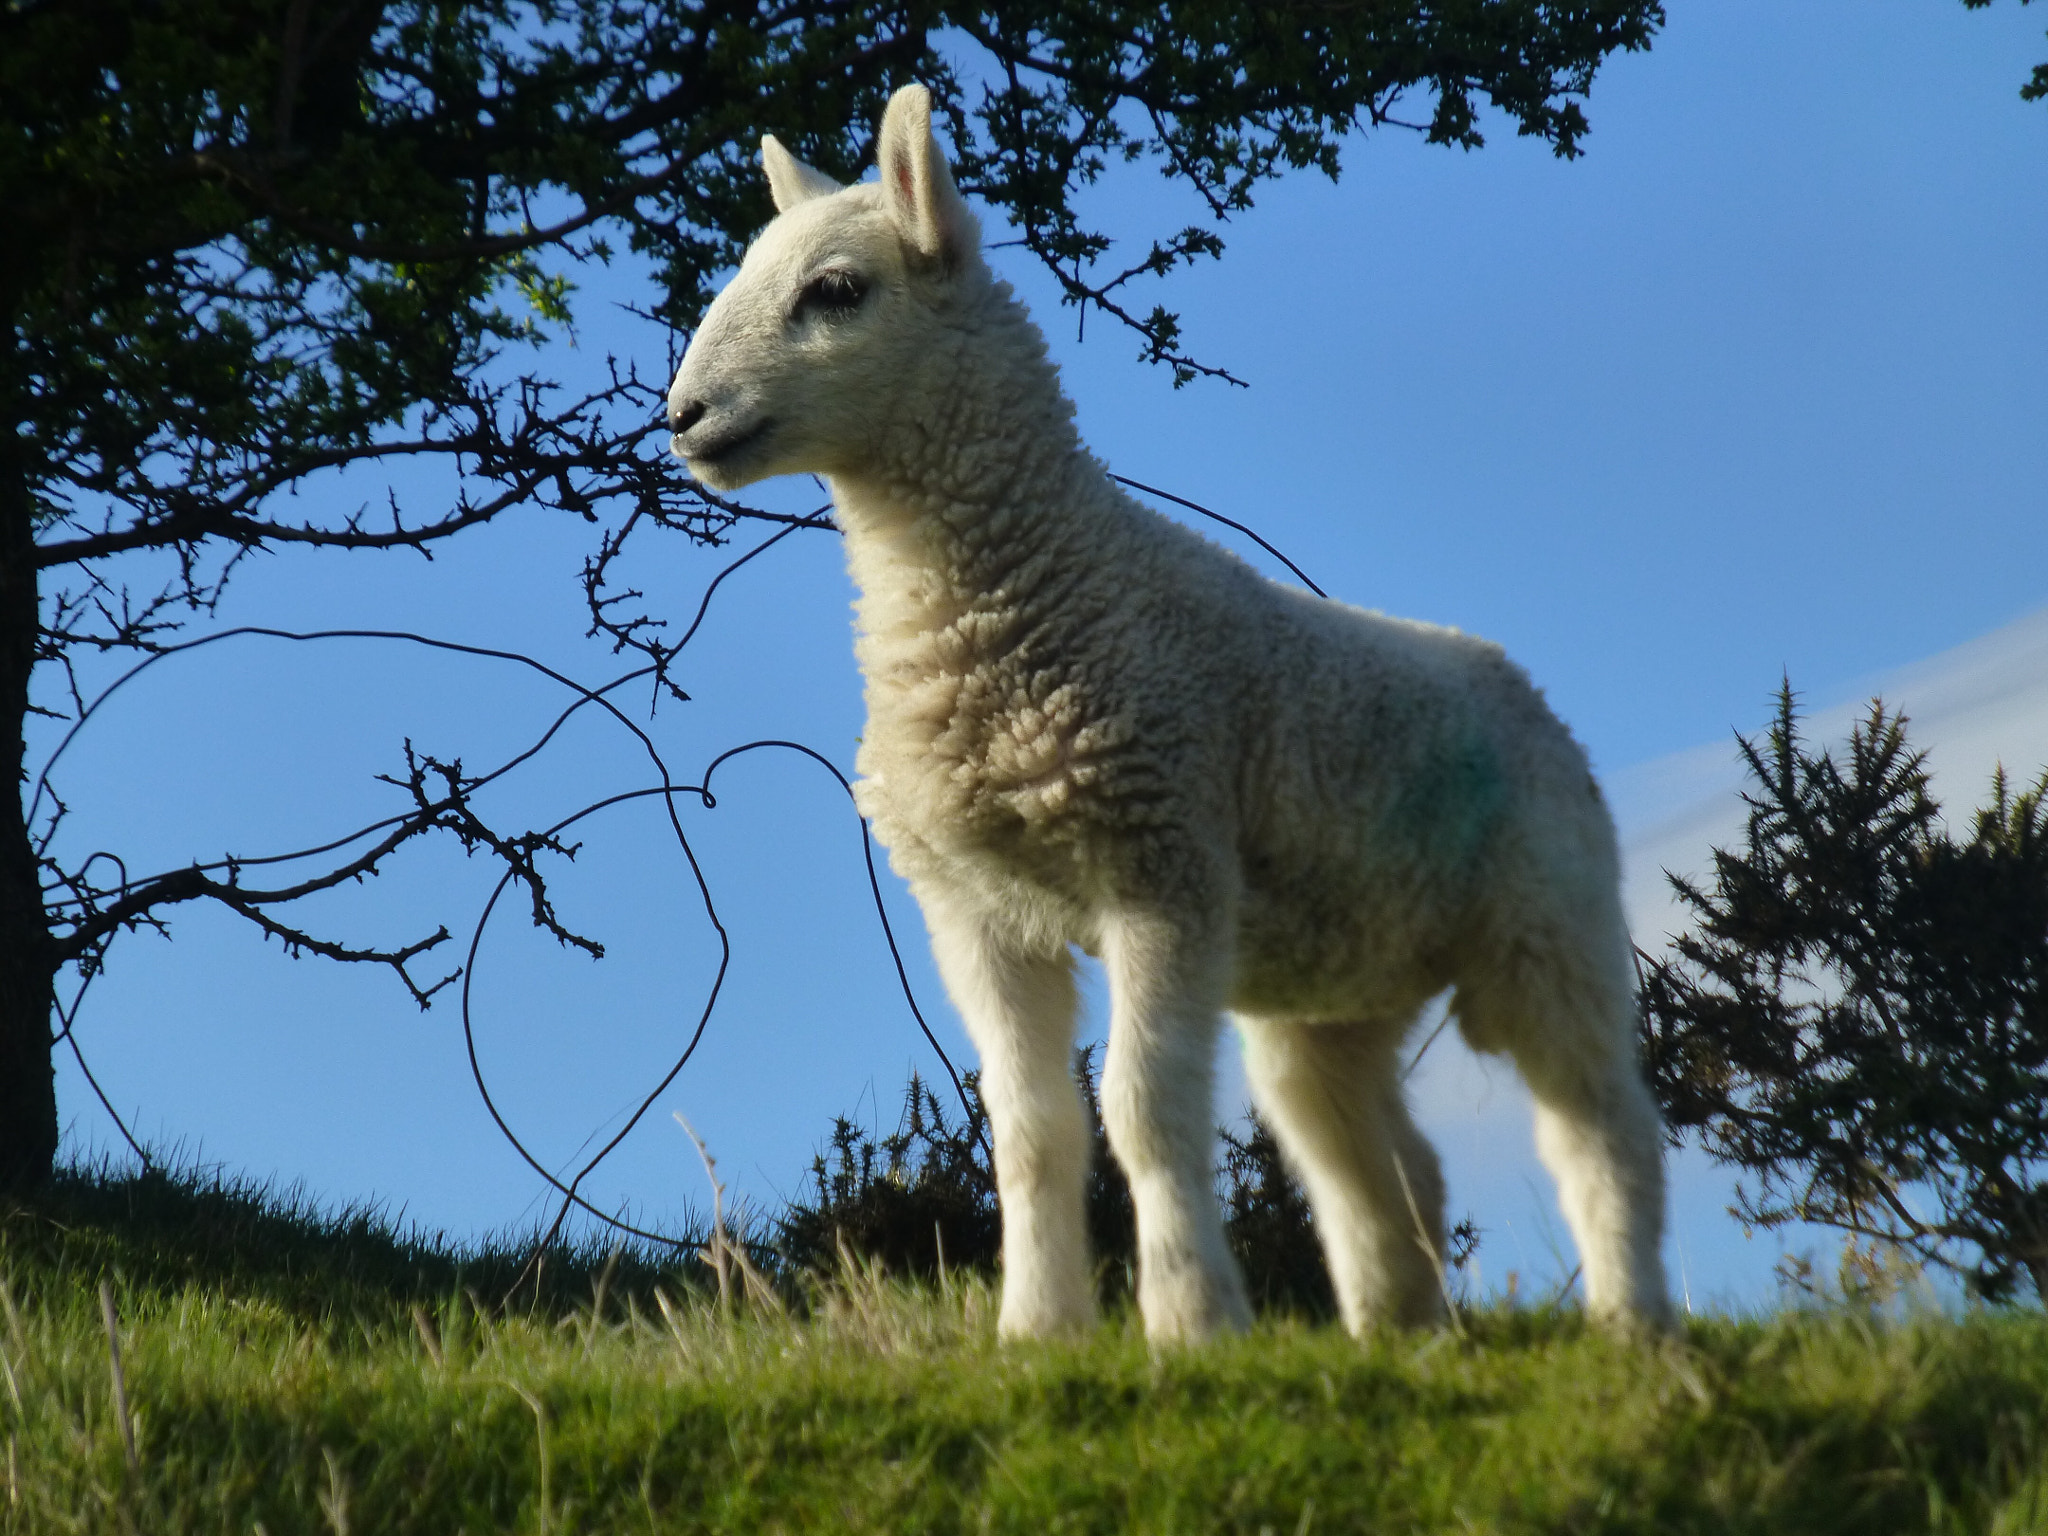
[682, 418]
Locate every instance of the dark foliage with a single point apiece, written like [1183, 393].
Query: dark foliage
[252, 241]
[929, 1183]
[929, 1188]
[254, 244]
[2036, 87]
[1859, 1018]
[1271, 1230]
[922, 1197]
[1112, 1219]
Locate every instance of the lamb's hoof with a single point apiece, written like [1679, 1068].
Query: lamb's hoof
[1192, 1313]
[1031, 1318]
[1418, 1312]
[1644, 1321]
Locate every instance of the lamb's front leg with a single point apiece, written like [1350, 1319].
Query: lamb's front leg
[1019, 1008]
[1167, 985]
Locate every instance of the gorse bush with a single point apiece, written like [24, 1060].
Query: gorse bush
[917, 1202]
[1271, 1230]
[927, 1192]
[1859, 1019]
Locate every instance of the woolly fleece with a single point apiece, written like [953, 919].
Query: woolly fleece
[1088, 726]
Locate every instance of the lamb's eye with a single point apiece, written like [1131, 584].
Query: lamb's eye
[833, 294]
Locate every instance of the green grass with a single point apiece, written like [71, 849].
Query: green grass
[290, 1374]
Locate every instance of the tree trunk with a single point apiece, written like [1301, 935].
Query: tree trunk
[28, 1092]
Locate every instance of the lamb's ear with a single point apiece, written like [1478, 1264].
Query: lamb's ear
[790, 181]
[917, 185]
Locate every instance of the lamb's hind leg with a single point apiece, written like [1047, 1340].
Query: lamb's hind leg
[1019, 1008]
[1158, 1106]
[1567, 1019]
[1332, 1094]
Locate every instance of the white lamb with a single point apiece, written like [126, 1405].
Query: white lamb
[1087, 726]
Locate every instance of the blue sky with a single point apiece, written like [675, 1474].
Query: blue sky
[1755, 387]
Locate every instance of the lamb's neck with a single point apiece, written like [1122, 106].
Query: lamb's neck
[991, 481]
[964, 538]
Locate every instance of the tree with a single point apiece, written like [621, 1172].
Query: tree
[252, 243]
[1859, 1018]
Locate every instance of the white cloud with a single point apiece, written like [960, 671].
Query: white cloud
[1969, 709]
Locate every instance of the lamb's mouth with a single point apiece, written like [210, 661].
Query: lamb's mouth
[724, 448]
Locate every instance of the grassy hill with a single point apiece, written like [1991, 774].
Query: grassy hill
[288, 1372]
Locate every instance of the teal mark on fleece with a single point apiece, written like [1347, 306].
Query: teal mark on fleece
[1453, 801]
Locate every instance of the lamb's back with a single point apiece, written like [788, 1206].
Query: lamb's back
[1123, 697]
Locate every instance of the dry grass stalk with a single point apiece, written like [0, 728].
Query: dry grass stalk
[540, 1430]
[13, 1385]
[17, 1339]
[717, 1254]
[597, 1294]
[860, 1304]
[334, 1502]
[428, 1337]
[1429, 1251]
[16, 1334]
[674, 1318]
[861, 1296]
[121, 1415]
[726, 1257]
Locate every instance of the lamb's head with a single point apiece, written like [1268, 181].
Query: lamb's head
[802, 363]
